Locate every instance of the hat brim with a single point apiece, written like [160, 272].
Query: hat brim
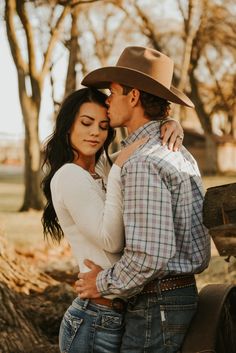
[102, 78]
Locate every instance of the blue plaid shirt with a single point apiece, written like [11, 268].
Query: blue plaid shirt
[162, 200]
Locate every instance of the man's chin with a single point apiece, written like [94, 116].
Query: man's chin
[113, 124]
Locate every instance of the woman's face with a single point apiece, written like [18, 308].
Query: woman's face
[89, 130]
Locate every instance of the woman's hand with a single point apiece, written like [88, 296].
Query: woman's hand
[126, 152]
[172, 133]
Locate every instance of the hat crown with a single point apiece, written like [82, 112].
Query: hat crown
[148, 61]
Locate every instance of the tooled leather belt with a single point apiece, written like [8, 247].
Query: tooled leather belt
[155, 286]
[169, 283]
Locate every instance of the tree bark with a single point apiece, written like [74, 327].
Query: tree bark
[31, 305]
[30, 83]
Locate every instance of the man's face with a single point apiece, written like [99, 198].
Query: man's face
[119, 108]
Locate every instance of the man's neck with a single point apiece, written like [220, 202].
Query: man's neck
[136, 122]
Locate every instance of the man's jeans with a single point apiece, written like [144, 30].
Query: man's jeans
[157, 323]
[88, 327]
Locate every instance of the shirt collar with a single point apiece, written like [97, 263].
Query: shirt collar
[149, 129]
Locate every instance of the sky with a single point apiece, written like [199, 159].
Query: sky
[11, 120]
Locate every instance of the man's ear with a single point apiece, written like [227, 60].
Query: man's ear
[134, 96]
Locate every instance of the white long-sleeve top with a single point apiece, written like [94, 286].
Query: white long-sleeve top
[90, 218]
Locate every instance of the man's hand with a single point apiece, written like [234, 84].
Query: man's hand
[86, 285]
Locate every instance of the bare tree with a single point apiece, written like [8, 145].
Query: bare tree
[208, 27]
[31, 75]
[190, 27]
[215, 34]
[30, 82]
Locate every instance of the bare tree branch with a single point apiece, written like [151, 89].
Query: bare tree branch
[73, 3]
[11, 34]
[84, 2]
[180, 7]
[29, 36]
[54, 36]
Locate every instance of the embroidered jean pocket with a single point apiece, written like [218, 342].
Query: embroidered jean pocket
[111, 322]
[68, 330]
[175, 320]
[109, 332]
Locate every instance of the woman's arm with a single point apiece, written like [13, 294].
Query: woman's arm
[100, 221]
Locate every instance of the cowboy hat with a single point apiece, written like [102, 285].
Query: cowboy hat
[143, 68]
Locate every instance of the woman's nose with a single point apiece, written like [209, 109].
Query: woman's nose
[94, 130]
[108, 101]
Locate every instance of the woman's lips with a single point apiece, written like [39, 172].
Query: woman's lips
[93, 143]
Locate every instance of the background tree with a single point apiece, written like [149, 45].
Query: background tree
[202, 42]
[31, 77]
[200, 38]
[33, 30]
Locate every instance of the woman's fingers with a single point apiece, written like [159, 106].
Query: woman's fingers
[172, 134]
[129, 150]
[175, 142]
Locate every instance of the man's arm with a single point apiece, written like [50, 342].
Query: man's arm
[150, 240]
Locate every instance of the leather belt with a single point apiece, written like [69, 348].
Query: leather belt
[117, 304]
[168, 283]
[155, 286]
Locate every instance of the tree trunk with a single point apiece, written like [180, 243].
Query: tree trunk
[30, 87]
[30, 106]
[73, 54]
[31, 307]
[190, 31]
[211, 148]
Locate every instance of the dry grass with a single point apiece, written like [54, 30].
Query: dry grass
[22, 228]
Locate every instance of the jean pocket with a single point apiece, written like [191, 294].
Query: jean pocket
[175, 320]
[69, 327]
[111, 322]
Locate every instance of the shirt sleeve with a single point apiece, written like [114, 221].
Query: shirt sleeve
[149, 230]
[100, 221]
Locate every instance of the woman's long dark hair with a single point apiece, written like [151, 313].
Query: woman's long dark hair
[59, 151]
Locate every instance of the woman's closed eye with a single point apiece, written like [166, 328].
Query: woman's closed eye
[104, 125]
[85, 124]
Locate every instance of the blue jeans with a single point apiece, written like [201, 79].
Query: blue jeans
[157, 323]
[88, 328]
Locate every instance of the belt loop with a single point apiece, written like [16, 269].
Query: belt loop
[85, 303]
[159, 287]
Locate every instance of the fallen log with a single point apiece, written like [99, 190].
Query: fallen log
[32, 304]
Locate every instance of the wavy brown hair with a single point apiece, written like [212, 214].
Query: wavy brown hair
[58, 151]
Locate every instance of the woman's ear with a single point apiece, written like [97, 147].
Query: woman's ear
[134, 96]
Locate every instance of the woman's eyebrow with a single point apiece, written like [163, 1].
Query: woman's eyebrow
[88, 116]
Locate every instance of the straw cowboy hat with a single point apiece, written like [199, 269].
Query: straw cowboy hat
[143, 68]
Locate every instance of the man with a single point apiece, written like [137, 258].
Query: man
[166, 242]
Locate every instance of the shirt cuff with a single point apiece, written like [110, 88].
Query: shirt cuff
[115, 170]
[101, 282]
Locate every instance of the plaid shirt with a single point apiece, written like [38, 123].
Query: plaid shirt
[162, 200]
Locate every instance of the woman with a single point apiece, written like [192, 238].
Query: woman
[79, 208]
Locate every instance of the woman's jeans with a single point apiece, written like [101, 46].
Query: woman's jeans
[157, 323]
[88, 327]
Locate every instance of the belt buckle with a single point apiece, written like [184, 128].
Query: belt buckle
[118, 305]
